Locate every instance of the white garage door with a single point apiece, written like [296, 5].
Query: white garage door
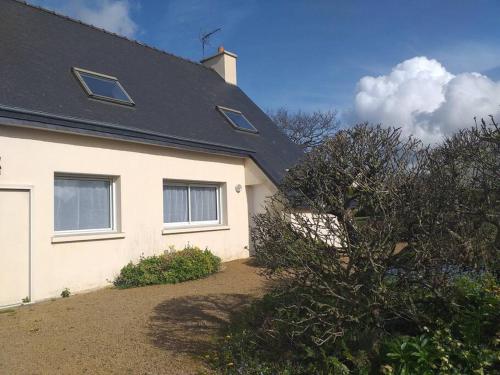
[14, 246]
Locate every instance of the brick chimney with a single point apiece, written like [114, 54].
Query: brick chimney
[224, 63]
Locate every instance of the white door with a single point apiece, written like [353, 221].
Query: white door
[14, 246]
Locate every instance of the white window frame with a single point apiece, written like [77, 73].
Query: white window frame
[112, 201]
[77, 71]
[222, 111]
[190, 223]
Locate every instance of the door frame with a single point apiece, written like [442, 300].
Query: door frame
[28, 189]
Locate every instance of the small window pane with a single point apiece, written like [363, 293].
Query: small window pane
[82, 204]
[103, 87]
[238, 120]
[203, 203]
[175, 204]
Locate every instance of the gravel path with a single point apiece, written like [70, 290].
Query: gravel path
[160, 329]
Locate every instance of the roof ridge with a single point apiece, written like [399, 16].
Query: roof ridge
[53, 12]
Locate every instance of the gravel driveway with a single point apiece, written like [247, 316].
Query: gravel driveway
[160, 329]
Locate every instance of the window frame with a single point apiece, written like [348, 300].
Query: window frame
[221, 109]
[77, 72]
[112, 202]
[190, 223]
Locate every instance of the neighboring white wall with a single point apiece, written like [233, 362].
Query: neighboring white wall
[323, 226]
[31, 157]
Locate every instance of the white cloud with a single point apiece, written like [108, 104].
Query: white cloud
[111, 15]
[425, 100]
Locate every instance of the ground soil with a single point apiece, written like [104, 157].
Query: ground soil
[162, 329]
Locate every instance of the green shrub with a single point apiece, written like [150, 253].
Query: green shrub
[257, 342]
[188, 264]
[437, 352]
[65, 293]
[410, 355]
[463, 339]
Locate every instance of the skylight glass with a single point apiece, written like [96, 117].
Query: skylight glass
[237, 119]
[103, 87]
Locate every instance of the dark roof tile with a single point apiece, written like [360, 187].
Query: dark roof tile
[174, 97]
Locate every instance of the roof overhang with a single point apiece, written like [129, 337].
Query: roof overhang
[21, 117]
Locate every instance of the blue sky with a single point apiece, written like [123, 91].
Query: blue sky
[311, 54]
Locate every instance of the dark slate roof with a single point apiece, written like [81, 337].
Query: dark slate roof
[175, 99]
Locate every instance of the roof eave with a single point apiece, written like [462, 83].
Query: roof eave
[21, 117]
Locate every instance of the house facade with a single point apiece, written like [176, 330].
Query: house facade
[111, 150]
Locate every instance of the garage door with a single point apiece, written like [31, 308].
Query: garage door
[14, 246]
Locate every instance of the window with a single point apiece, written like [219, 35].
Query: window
[190, 204]
[103, 87]
[83, 204]
[237, 119]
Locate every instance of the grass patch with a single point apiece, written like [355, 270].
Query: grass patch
[191, 263]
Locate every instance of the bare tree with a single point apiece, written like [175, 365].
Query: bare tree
[306, 129]
[333, 263]
[367, 190]
[463, 182]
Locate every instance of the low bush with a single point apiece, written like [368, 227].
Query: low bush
[188, 264]
[257, 343]
[462, 338]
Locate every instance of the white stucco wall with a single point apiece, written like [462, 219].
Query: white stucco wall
[259, 189]
[32, 157]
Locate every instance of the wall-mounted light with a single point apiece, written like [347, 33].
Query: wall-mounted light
[238, 188]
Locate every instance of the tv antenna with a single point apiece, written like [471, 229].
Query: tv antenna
[205, 39]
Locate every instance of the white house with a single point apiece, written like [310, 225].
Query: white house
[110, 149]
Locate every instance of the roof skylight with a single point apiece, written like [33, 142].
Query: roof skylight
[237, 119]
[102, 87]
